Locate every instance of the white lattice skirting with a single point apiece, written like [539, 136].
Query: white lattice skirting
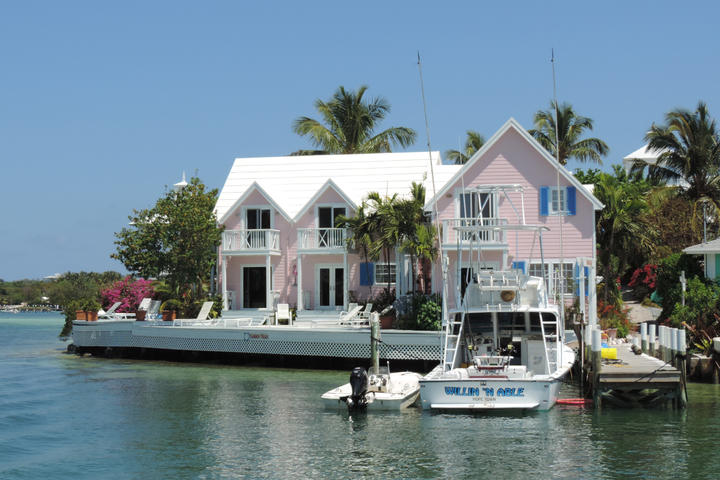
[341, 343]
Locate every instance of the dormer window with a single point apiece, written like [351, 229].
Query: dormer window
[258, 218]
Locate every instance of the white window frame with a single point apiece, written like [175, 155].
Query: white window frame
[393, 271]
[551, 270]
[459, 197]
[257, 207]
[562, 201]
[329, 205]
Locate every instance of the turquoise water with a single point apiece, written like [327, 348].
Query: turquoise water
[62, 416]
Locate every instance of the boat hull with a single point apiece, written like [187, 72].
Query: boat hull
[489, 393]
[404, 393]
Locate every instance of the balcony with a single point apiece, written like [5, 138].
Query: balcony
[251, 242]
[469, 232]
[322, 240]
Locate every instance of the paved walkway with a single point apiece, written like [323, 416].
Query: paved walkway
[639, 313]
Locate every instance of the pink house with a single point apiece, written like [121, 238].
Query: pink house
[281, 243]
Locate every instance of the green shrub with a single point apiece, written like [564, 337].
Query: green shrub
[171, 305]
[668, 279]
[701, 303]
[429, 316]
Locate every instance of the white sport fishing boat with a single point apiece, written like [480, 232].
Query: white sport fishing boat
[503, 350]
[503, 345]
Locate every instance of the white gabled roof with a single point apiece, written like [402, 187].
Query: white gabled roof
[291, 181]
[647, 155]
[512, 123]
[702, 248]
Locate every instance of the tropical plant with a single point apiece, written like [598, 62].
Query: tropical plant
[612, 316]
[620, 235]
[128, 292]
[689, 150]
[176, 240]
[569, 130]
[350, 123]
[473, 143]
[668, 279]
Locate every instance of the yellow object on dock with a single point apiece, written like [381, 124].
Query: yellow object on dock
[609, 353]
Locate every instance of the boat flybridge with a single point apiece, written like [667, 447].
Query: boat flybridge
[503, 344]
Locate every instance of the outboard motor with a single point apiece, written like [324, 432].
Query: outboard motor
[359, 384]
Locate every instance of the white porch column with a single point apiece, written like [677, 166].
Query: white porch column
[300, 305]
[346, 276]
[268, 283]
[224, 283]
[592, 295]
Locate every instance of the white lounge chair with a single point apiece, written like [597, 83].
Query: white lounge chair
[365, 313]
[350, 316]
[110, 314]
[153, 311]
[204, 312]
[283, 313]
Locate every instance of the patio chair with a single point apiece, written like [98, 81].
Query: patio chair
[348, 317]
[365, 313]
[283, 313]
[153, 311]
[110, 314]
[204, 312]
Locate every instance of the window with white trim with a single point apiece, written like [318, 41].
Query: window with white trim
[553, 270]
[558, 201]
[385, 273]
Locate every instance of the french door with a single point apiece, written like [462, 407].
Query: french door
[330, 287]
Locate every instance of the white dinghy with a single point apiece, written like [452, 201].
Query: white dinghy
[380, 390]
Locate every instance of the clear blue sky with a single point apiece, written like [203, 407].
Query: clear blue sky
[103, 104]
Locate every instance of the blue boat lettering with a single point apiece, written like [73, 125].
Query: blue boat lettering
[511, 392]
[486, 391]
[463, 391]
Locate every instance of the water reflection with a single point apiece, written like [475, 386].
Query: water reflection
[64, 416]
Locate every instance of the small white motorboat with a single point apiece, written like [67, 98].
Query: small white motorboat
[377, 391]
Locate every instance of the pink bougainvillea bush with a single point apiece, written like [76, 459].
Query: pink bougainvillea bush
[129, 292]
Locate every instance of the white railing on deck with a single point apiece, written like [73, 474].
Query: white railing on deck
[247, 240]
[322, 238]
[451, 235]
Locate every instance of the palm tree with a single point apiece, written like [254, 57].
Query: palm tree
[570, 128]
[473, 143]
[350, 124]
[619, 229]
[689, 149]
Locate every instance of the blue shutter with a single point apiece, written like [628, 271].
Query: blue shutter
[519, 265]
[544, 199]
[576, 273]
[587, 280]
[571, 200]
[367, 273]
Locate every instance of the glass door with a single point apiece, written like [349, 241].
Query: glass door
[330, 287]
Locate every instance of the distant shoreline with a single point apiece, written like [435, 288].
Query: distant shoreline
[29, 308]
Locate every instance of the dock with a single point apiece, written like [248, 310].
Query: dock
[642, 374]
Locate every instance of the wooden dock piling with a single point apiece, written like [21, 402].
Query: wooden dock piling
[651, 338]
[644, 337]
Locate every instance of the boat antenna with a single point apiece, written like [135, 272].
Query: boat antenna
[443, 268]
[562, 211]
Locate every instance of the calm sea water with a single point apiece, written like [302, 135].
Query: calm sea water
[62, 416]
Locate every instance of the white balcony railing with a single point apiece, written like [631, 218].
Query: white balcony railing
[262, 240]
[322, 238]
[468, 235]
